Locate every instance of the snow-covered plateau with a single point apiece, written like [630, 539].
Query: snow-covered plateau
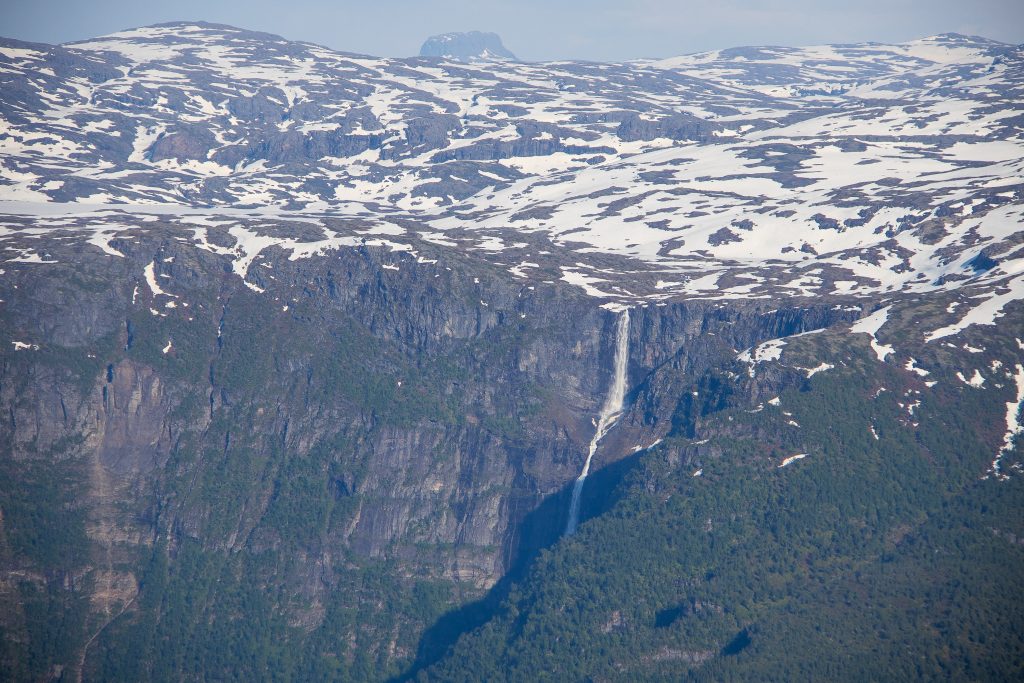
[861, 171]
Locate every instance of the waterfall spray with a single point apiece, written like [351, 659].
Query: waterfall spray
[610, 412]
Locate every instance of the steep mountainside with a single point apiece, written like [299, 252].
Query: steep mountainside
[301, 353]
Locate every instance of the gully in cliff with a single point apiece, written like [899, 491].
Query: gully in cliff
[610, 412]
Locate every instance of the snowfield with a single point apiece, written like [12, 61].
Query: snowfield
[854, 171]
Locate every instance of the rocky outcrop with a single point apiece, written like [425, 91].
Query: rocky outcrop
[471, 45]
[679, 126]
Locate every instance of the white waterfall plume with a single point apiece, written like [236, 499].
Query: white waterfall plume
[610, 412]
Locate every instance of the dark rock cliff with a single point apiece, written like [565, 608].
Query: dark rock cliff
[366, 406]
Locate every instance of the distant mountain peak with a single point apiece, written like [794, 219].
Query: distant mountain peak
[959, 38]
[470, 45]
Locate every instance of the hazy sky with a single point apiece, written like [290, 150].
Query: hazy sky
[537, 29]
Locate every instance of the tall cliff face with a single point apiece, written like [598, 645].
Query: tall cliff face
[360, 407]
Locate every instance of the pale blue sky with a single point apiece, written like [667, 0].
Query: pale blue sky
[537, 29]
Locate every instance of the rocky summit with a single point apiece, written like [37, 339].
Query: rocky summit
[322, 366]
[463, 46]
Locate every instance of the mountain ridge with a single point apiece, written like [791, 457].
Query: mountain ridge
[313, 131]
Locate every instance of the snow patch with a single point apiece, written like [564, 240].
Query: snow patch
[1013, 425]
[793, 458]
[870, 326]
[770, 350]
[984, 313]
[154, 286]
[820, 368]
[977, 381]
[912, 367]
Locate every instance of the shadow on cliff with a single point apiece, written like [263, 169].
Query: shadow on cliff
[540, 529]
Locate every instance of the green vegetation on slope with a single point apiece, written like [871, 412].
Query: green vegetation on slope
[882, 559]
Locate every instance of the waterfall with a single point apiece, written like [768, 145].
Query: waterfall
[610, 412]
